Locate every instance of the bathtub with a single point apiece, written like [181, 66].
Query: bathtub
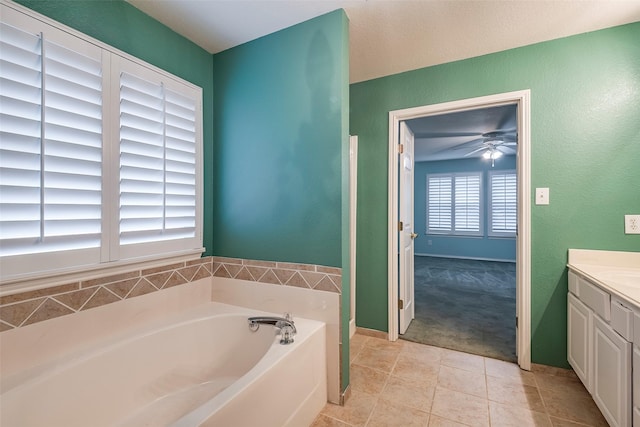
[203, 367]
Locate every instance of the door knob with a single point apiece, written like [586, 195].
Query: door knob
[414, 235]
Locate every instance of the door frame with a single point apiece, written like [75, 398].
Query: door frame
[523, 240]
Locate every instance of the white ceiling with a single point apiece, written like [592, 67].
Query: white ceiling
[391, 36]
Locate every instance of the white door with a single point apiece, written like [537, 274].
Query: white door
[406, 234]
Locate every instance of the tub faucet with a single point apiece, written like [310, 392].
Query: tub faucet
[285, 324]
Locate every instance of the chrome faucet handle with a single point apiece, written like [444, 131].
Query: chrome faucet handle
[288, 316]
[286, 335]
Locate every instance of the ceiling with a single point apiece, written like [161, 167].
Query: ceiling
[392, 36]
[459, 135]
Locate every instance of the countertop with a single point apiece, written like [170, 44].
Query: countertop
[616, 272]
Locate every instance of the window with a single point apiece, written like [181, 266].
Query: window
[503, 198]
[99, 154]
[454, 204]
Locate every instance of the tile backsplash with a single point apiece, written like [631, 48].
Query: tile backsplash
[22, 309]
[308, 276]
[26, 308]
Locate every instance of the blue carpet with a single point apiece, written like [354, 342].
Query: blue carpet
[465, 305]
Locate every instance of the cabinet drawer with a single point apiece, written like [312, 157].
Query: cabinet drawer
[595, 298]
[622, 319]
[573, 283]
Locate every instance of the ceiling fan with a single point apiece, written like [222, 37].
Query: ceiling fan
[494, 144]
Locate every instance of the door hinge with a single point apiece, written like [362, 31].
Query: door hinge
[400, 226]
[400, 148]
[516, 321]
[400, 304]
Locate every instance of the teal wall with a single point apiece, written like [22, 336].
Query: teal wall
[124, 27]
[278, 109]
[281, 110]
[585, 146]
[496, 248]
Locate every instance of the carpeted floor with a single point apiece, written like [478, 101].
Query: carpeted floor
[465, 305]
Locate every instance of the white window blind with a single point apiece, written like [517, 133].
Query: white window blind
[467, 203]
[50, 145]
[100, 154]
[439, 193]
[454, 204]
[503, 212]
[157, 162]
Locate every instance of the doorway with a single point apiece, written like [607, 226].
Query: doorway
[397, 283]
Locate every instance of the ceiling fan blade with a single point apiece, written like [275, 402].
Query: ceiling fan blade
[466, 144]
[509, 144]
[475, 151]
[506, 150]
[423, 135]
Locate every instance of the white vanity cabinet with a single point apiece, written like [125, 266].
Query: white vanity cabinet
[600, 355]
[579, 320]
[611, 374]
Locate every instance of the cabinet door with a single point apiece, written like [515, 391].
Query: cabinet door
[611, 374]
[579, 336]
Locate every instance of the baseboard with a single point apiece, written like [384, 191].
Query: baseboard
[352, 327]
[372, 333]
[466, 257]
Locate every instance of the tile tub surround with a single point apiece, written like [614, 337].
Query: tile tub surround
[26, 308]
[308, 276]
[408, 384]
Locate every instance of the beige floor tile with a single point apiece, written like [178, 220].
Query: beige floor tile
[356, 410]
[367, 379]
[502, 369]
[559, 422]
[505, 391]
[382, 359]
[410, 367]
[563, 404]
[389, 414]
[460, 407]
[435, 421]
[463, 381]
[566, 384]
[325, 421]
[422, 352]
[383, 344]
[356, 344]
[514, 416]
[458, 359]
[405, 392]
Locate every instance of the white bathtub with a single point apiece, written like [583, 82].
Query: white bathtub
[202, 367]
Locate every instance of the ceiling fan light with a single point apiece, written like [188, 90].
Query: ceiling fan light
[487, 154]
[496, 154]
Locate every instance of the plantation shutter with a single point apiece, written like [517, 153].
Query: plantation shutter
[503, 203]
[157, 162]
[439, 198]
[467, 203]
[50, 145]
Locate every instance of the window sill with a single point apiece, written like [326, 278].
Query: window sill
[43, 280]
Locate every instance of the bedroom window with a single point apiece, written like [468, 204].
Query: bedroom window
[100, 154]
[503, 217]
[454, 204]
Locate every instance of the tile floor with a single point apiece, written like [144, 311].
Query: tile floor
[408, 384]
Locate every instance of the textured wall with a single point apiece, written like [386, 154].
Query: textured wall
[469, 247]
[585, 140]
[279, 134]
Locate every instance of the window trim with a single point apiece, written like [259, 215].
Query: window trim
[453, 232]
[25, 18]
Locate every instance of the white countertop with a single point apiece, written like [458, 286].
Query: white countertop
[616, 272]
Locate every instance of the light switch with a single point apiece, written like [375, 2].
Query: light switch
[542, 196]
